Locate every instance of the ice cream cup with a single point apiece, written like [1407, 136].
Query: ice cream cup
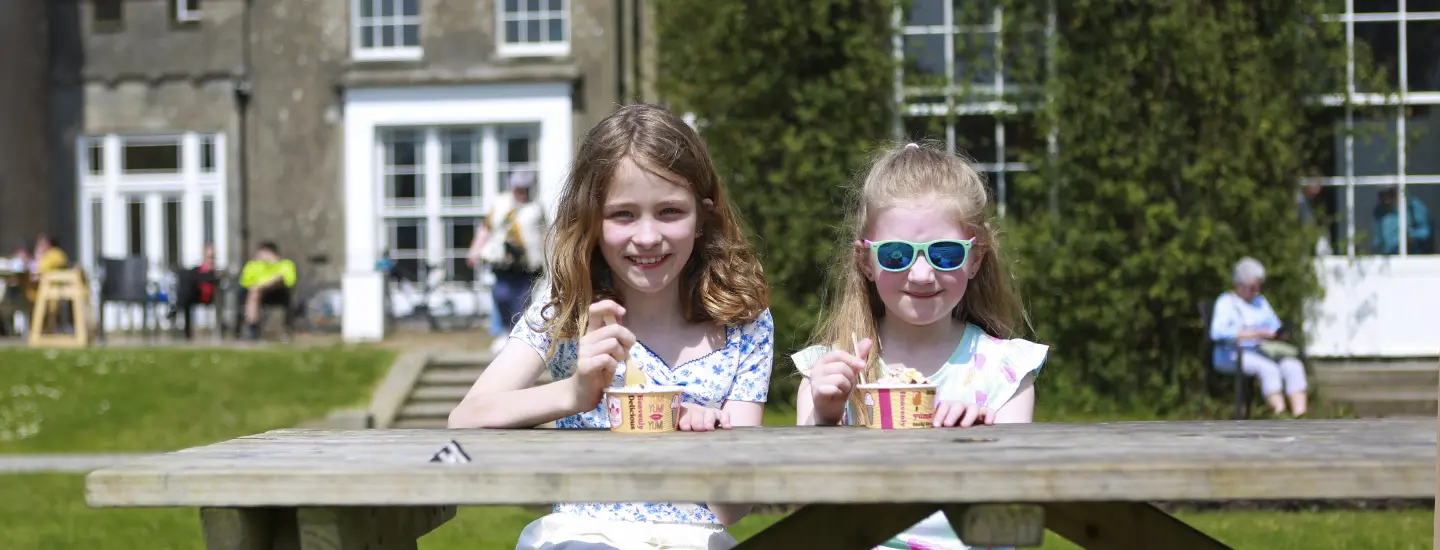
[898, 406]
[648, 409]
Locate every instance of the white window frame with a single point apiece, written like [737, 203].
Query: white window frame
[376, 52]
[186, 14]
[992, 107]
[1348, 181]
[431, 207]
[549, 48]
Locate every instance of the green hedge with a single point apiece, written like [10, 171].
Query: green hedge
[1182, 126]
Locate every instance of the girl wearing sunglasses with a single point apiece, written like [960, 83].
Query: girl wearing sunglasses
[923, 286]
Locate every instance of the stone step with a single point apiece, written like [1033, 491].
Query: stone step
[460, 360]
[451, 393]
[1391, 409]
[448, 377]
[1379, 375]
[1353, 394]
[426, 409]
[419, 423]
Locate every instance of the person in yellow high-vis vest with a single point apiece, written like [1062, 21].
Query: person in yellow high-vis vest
[265, 280]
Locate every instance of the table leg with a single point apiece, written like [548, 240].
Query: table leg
[337, 528]
[864, 526]
[1124, 526]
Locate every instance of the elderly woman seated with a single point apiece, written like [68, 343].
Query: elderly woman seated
[1244, 317]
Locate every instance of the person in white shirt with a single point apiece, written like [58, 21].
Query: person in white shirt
[1244, 317]
[511, 243]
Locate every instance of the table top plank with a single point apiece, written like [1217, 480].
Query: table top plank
[1307, 459]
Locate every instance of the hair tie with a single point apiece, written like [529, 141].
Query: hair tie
[912, 146]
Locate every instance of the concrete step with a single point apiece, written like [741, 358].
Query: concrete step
[1393, 409]
[448, 377]
[451, 393]
[419, 423]
[460, 359]
[426, 409]
[1408, 374]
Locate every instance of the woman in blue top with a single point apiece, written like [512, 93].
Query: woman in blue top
[1243, 316]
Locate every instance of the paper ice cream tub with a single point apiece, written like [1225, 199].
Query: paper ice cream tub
[898, 406]
[650, 409]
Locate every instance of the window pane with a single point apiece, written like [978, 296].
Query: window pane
[172, 231]
[407, 237]
[367, 36]
[459, 146]
[410, 35]
[532, 31]
[1414, 6]
[411, 7]
[925, 128]
[557, 5]
[1375, 136]
[1325, 139]
[517, 148]
[403, 148]
[151, 158]
[405, 189]
[1422, 199]
[512, 32]
[1422, 42]
[461, 271]
[975, 58]
[136, 223]
[1025, 56]
[458, 234]
[1328, 206]
[1377, 44]
[924, 60]
[208, 212]
[387, 36]
[975, 137]
[460, 188]
[367, 8]
[532, 5]
[1024, 141]
[387, 7]
[1376, 6]
[512, 6]
[973, 12]
[108, 10]
[557, 30]
[207, 154]
[96, 156]
[97, 229]
[1422, 145]
[926, 12]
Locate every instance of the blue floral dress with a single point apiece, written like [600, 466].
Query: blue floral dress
[739, 371]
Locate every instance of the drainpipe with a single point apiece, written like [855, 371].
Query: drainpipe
[620, 52]
[242, 112]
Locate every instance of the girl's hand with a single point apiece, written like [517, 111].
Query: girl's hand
[949, 414]
[599, 353]
[694, 418]
[833, 378]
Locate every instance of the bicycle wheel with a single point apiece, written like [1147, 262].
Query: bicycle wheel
[444, 314]
[323, 308]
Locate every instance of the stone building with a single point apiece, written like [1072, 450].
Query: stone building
[336, 128]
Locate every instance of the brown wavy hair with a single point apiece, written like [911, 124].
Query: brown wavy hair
[722, 282]
[922, 173]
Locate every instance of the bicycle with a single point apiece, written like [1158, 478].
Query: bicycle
[321, 304]
[430, 295]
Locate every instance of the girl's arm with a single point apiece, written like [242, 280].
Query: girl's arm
[1021, 408]
[742, 413]
[505, 395]
[804, 405]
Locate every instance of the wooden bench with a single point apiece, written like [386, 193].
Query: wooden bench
[1000, 485]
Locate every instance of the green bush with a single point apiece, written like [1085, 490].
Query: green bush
[790, 96]
[1182, 127]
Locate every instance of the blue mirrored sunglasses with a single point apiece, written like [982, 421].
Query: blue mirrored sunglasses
[899, 255]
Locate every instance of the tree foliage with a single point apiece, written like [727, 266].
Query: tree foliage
[789, 95]
[1181, 128]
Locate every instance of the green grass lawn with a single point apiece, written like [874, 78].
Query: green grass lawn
[47, 511]
[145, 400]
[101, 400]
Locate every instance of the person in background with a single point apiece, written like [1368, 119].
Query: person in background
[196, 286]
[1245, 319]
[48, 258]
[265, 280]
[511, 242]
[1385, 233]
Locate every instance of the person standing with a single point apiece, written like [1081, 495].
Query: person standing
[511, 243]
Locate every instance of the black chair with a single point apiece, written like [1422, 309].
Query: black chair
[1244, 383]
[125, 280]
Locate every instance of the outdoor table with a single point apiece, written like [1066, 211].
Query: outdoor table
[999, 485]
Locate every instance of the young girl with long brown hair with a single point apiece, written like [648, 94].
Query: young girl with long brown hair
[643, 234]
[922, 285]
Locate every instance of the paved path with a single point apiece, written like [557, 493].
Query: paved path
[70, 462]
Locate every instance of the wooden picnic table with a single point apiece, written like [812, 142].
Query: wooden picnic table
[999, 485]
